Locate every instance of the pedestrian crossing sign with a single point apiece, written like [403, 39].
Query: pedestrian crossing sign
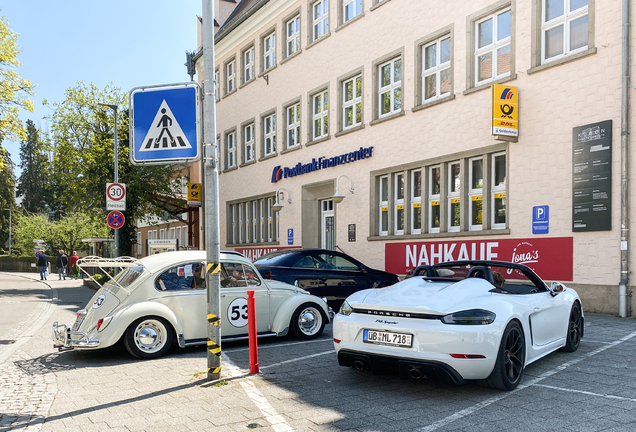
[164, 124]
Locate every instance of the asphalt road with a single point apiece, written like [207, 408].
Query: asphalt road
[300, 386]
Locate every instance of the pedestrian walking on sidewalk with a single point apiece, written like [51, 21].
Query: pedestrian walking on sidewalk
[43, 265]
[62, 262]
[72, 265]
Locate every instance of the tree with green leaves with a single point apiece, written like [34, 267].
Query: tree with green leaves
[7, 201]
[33, 181]
[14, 90]
[83, 161]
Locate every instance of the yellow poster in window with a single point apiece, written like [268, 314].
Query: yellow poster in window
[505, 110]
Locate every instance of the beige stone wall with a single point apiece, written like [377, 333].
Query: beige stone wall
[552, 102]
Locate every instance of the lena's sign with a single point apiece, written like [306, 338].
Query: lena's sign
[321, 163]
[550, 258]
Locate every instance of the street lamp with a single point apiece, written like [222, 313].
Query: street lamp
[277, 206]
[9, 230]
[337, 197]
[114, 108]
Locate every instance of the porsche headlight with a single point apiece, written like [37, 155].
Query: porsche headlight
[346, 308]
[470, 317]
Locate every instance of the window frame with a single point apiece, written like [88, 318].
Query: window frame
[453, 197]
[217, 85]
[271, 135]
[383, 204]
[497, 190]
[230, 76]
[325, 18]
[378, 89]
[231, 161]
[246, 219]
[248, 65]
[475, 193]
[342, 7]
[434, 199]
[246, 143]
[289, 127]
[564, 20]
[354, 102]
[295, 36]
[491, 48]
[270, 34]
[399, 186]
[436, 70]
[415, 202]
[322, 114]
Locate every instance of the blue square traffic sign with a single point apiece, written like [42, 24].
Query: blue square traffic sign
[540, 219]
[164, 124]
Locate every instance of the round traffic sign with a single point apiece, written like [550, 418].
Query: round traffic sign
[115, 219]
[115, 191]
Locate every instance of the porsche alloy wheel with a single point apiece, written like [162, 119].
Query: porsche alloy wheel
[148, 338]
[510, 360]
[575, 328]
[308, 321]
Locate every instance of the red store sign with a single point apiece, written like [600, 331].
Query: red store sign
[256, 253]
[550, 258]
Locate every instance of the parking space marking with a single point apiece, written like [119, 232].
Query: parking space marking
[587, 393]
[278, 345]
[465, 412]
[299, 359]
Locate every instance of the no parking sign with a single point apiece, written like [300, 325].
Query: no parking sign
[115, 219]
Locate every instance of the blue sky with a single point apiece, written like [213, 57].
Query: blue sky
[127, 43]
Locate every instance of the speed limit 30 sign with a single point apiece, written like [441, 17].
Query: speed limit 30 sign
[115, 196]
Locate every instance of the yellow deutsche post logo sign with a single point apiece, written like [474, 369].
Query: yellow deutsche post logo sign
[194, 194]
[505, 110]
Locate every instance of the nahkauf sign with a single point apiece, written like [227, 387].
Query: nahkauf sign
[505, 110]
[551, 258]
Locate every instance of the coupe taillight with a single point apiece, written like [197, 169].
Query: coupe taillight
[467, 356]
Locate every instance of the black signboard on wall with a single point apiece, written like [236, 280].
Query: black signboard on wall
[592, 177]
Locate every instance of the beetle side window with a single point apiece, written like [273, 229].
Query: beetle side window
[190, 276]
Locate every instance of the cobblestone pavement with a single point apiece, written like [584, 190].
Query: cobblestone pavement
[300, 387]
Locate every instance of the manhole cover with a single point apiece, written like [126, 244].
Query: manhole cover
[6, 342]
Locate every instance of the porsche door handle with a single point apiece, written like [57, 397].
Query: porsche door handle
[537, 309]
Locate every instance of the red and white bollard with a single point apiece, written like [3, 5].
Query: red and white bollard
[251, 332]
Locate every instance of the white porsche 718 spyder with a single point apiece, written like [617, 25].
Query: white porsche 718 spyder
[464, 320]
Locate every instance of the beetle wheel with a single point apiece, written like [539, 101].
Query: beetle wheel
[575, 328]
[308, 321]
[148, 338]
[508, 369]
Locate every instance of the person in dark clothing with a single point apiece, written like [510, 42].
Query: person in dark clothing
[62, 261]
[43, 265]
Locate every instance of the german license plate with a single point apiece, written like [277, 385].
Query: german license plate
[388, 338]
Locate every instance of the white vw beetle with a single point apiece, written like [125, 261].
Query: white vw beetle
[162, 298]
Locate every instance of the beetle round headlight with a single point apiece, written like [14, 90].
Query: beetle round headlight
[345, 308]
[470, 317]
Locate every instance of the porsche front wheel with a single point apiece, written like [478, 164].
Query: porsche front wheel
[510, 360]
[575, 328]
[308, 321]
[148, 338]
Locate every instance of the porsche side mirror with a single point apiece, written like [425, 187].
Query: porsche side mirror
[556, 288]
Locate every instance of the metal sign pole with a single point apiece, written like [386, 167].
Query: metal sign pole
[210, 153]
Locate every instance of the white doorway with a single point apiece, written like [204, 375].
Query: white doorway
[327, 225]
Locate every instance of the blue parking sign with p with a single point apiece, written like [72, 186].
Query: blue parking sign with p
[540, 219]
[164, 124]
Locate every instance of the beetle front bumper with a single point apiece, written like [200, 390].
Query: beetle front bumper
[65, 339]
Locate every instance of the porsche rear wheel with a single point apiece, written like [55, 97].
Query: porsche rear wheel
[510, 360]
[148, 338]
[308, 321]
[575, 329]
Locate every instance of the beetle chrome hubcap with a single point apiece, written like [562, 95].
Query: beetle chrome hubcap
[309, 321]
[150, 336]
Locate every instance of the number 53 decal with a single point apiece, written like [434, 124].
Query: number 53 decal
[237, 312]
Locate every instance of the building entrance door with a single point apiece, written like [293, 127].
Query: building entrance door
[327, 232]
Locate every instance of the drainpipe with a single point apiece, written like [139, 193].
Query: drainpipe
[623, 284]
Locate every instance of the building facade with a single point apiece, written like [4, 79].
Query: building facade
[395, 99]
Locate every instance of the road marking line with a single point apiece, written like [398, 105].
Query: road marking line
[278, 345]
[298, 359]
[587, 393]
[465, 412]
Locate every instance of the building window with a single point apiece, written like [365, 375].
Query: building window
[217, 86]
[230, 140]
[320, 19]
[384, 205]
[320, 115]
[252, 221]
[255, 222]
[269, 135]
[352, 102]
[230, 76]
[498, 198]
[436, 70]
[493, 47]
[139, 245]
[434, 199]
[248, 142]
[454, 201]
[162, 234]
[248, 65]
[351, 9]
[293, 125]
[416, 202]
[564, 28]
[269, 51]
[293, 36]
[390, 87]
[475, 193]
[398, 204]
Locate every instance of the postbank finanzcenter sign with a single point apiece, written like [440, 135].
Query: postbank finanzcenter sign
[505, 110]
